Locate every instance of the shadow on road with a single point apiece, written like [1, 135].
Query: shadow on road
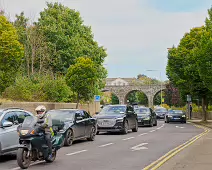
[6, 158]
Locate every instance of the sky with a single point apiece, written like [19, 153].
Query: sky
[136, 33]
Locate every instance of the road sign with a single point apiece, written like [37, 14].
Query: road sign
[188, 98]
[97, 98]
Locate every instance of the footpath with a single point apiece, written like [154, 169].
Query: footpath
[197, 156]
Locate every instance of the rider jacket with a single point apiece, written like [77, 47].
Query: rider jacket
[47, 124]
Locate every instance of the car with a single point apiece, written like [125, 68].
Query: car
[74, 124]
[10, 119]
[175, 116]
[146, 116]
[161, 112]
[117, 118]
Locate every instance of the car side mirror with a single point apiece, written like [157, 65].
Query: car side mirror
[79, 118]
[7, 124]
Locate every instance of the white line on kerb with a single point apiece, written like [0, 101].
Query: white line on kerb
[69, 154]
[128, 138]
[152, 130]
[101, 146]
[143, 134]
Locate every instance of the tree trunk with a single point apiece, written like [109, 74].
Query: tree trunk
[77, 101]
[204, 118]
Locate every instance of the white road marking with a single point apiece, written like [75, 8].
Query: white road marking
[35, 163]
[101, 146]
[143, 134]
[139, 147]
[128, 138]
[159, 127]
[69, 154]
[179, 127]
[152, 130]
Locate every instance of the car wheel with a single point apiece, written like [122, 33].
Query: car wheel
[97, 132]
[92, 134]
[126, 127]
[136, 127]
[69, 138]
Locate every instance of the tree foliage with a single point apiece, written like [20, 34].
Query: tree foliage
[11, 53]
[84, 79]
[67, 37]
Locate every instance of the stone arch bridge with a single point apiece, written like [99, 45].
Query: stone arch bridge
[121, 87]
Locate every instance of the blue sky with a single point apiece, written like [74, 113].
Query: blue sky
[136, 33]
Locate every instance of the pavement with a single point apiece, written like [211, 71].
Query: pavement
[133, 151]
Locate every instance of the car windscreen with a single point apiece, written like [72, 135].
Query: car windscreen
[160, 110]
[62, 115]
[142, 111]
[176, 112]
[113, 110]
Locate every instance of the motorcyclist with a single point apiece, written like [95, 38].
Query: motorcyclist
[46, 125]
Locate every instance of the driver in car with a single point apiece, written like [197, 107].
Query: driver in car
[46, 125]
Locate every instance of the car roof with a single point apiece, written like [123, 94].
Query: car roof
[65, 109]
[117, 105]
[11, 108]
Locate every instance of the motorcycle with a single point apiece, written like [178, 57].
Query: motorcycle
[33, 145]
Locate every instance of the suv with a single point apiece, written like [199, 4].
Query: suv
[117, 118]
[10, 118]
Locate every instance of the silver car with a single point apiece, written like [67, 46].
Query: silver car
[10, 118]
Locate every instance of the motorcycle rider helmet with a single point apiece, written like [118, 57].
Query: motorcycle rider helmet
[40, 111]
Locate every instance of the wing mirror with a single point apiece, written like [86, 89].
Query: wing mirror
[79, 118]
[7, 124]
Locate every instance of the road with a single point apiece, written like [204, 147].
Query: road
[133, 151]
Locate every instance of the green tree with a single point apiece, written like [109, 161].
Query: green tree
[182, 67]
[11, 53]
[67, 37]
[83, 79]
[115, 99]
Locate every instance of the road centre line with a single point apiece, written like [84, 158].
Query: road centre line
[152, 131]
[101, 146]
[128, 138]
[156, 164]
[143, 134]
[74, 153]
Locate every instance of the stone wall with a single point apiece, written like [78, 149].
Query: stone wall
[30, 106]
[199, 115]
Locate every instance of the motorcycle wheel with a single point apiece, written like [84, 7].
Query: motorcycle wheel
[22, 159]
[54, 153]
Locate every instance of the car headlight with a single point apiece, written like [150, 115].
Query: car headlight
[147, 118]
[120, 119]
[24, 132]
[183, 115]
[169, 115]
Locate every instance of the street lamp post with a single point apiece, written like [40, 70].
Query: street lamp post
[161, 97]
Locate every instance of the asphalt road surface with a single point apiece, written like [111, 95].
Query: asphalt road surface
[133, 151]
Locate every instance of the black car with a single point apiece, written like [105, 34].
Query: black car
[117, 118]
[74, 124]
[175, 116]
[161, 112]
[146, 116]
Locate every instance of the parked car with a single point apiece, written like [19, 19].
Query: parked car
[161, 112]
[74, 124]
[175, 116]
[146, 116]
[117, 118]
[10, 118]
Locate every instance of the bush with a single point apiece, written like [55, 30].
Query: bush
[39, 88]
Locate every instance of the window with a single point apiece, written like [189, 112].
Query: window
[10, 117]
[21, 116]
[86, 115]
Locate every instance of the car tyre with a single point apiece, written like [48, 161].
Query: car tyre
[126, 127]
[97, 132]
[136, 127]
[92, 134]
[69, 138]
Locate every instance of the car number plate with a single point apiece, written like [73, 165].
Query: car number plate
[177, 118]
[139, 120]
[105, 123]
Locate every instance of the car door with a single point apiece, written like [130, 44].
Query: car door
[79, 127]
[9, 135]
[89, 123]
